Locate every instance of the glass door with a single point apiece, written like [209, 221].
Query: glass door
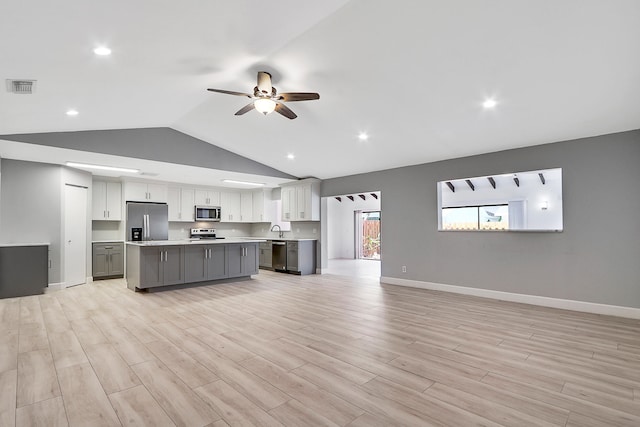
[367, 234]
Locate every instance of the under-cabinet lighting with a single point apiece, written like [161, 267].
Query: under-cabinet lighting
[232, 181]
[100, 167]
[72, 113]
[544, 205]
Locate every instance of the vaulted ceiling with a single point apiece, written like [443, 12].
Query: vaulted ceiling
[411, 74]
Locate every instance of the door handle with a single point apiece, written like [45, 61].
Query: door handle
[108, 214]
[166, 256]
[206, 254]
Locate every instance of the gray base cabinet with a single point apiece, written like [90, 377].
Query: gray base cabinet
[108, 260]
[24, 270]
[205, 262]
[155, 266]
[265, 258]
[243, 259]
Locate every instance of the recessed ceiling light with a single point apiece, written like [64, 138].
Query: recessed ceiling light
[362, 136]
[100, 167]
[102, 51]
[233, 181]
[489, 103]
[72, 113]
[290, 156]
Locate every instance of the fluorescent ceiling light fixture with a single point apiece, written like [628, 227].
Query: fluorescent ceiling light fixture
[100, 167]
[489, 103]
[233, 181]
[102, 51]
[290, 156]
[362, 136]
[264, 105]
[72, 113]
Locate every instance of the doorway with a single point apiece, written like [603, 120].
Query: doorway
[75, 235]
[367, 239]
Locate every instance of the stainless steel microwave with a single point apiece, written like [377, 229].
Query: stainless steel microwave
[207, 213]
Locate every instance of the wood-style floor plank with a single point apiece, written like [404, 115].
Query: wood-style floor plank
[37, 378]
[8, 390]
[234, 407]
[84, 398]
[179, 401]
[50, 413]
[310, 350]
[136, 407]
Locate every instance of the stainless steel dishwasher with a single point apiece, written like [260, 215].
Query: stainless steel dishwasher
[279, 255]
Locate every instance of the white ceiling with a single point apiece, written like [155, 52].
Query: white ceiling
[412, 74]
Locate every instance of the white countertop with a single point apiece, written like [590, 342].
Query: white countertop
[107, 241]
[284, 239]
[194, 242]
[11, 245]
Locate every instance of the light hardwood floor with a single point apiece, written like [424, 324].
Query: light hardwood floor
[305, 351]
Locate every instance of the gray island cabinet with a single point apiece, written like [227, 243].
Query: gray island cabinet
[156, 264]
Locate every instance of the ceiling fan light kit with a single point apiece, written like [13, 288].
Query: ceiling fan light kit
[264, 105]
[266, 98]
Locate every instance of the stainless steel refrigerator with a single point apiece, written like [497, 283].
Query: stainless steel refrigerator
[152, 218]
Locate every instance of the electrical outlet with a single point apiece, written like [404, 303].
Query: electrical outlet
[297, 230]
[404, 268]
[315, 231]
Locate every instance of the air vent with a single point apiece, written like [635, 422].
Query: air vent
[21, 87]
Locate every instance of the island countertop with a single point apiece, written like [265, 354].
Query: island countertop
[194, 242]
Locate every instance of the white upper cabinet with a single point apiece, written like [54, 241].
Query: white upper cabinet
[230, 206]
[207, 197]
[301, 201]
[107, 201]
[145, 192]
[263, 206]
[288, 195]
[181, 204]
[246, 206]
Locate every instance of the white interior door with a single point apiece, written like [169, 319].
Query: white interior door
[75, 235]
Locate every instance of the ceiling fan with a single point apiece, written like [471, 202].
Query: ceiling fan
[266, 98]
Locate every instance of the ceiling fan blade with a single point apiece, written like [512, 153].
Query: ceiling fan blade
[245, 109]
[298, 96]
[264, 82]
[230, 92]
[285, 111]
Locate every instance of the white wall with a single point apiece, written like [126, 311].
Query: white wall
[341, 222]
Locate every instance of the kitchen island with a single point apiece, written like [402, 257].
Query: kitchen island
[155, 264]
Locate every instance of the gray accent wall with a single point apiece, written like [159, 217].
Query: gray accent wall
[30, 209]
[160, 144]
[595, 259]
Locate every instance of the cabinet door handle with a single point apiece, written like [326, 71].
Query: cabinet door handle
[104, 214]
[108, 214]
[166, 256]
[210, 254]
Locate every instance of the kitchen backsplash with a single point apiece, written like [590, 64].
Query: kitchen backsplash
[299, 230]
[107, 230]
[180, 230]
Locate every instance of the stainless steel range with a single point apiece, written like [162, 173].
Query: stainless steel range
[204, 233]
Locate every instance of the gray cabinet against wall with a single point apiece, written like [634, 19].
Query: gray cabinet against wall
[108, 260]
[243, 259]
[205, 262]
[266, 255]
[161, 266]
[24, 270]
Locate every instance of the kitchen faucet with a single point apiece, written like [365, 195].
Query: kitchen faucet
[280, 232]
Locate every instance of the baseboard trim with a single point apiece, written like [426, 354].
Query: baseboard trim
[56, 286]
[565, 304]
